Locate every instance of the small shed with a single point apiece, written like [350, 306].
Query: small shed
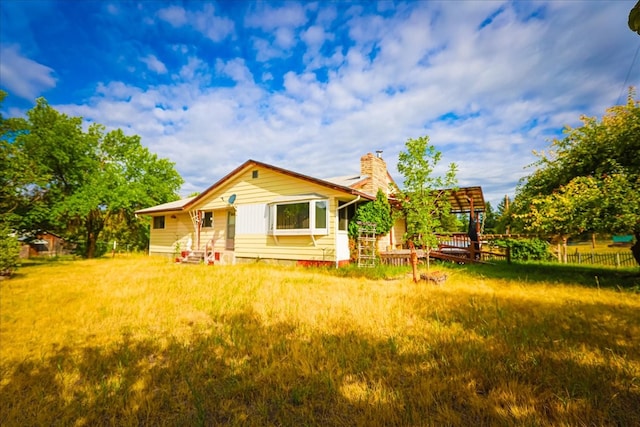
[44, 244]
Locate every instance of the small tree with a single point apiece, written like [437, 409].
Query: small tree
[9, 251]
[490, 219]
[424, 196]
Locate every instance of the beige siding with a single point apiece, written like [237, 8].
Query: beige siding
[286, 247]
[265, 189]
[218, 233]
[176, 230]
[394, 238]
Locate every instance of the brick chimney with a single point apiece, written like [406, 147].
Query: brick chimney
[375, 168]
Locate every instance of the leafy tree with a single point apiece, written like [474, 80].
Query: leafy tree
[9, 250]
[377, 211]
[16, 169]
[490, 219]
[424, 196]
[589, 180]
[79, 183]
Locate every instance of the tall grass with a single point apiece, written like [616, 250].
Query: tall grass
[140, 341]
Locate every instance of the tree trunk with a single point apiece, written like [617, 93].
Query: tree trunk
[635, 249]
[94, 225]
[90, 251]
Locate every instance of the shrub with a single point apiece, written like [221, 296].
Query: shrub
[377, 211]
[526, 249]
[9, 251]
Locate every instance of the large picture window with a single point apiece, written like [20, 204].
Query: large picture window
[304, 217]
[292, 216]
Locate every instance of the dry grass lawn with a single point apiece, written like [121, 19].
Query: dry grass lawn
[140, 341]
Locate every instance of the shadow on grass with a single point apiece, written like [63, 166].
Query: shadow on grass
[241, 371]
[589, 276]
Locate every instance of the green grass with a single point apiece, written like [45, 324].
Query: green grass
[141, 341]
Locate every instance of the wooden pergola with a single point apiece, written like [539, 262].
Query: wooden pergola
[466, 199]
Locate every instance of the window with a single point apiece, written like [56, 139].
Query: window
[254, 174]
[158, 222]
[346, 215]
[321, 214]
[207, 219]
[306, 217]
[292, 216]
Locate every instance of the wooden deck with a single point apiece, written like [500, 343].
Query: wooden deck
[455, 248]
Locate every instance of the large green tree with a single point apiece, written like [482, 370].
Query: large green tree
[588, 180]
[78, 182]
[424, 195]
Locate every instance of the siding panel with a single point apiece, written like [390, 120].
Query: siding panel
[252, 219]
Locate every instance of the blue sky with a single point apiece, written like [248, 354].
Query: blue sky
[312, 86]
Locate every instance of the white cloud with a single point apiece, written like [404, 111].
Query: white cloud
[394, 78]
[205, 21]
[22, 76]
[154, 64]
[268, 18]
[174, 15]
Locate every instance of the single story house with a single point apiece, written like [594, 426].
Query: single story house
[263, 212]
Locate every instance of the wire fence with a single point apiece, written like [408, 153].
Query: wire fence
[613, 260]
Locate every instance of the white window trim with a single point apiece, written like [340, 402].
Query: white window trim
[312, 230]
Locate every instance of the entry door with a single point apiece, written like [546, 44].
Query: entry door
[231, 230]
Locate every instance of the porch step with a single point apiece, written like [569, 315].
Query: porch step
[195, 257]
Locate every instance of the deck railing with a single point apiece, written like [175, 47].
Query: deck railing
[456, 247]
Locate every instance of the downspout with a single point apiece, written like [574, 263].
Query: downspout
[337, 222]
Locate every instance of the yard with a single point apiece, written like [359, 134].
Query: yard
[141, 341]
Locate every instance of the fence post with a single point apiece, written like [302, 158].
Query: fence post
[617, 260]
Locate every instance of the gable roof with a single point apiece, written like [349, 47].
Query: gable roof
[184, 204]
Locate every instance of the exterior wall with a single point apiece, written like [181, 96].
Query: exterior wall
[176, 230]
[286, 248]
[215, 237]
[394, 238]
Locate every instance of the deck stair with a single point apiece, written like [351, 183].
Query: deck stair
[195, 257]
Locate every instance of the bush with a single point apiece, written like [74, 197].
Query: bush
[9, 251]
[377, 212]
[526, 249]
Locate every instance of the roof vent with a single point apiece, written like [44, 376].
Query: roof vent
[379, 154]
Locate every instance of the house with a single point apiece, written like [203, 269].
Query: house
[263, 212]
